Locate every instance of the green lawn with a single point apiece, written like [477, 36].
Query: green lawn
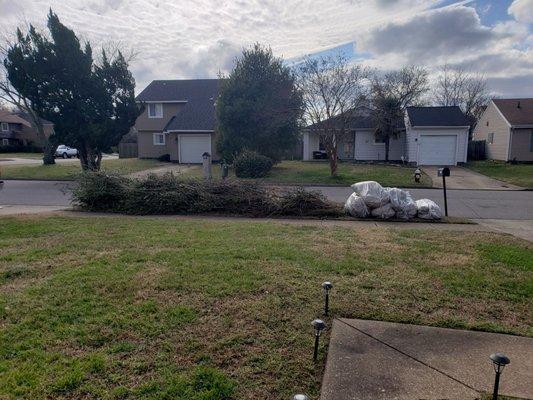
[149, 308]
[298, 172]
[519, 174]
[21, 155]
[68, 171]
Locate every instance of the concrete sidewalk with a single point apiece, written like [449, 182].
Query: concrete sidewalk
[464, 178]
[369, 360]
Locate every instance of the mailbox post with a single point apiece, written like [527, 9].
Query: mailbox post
[444, 172]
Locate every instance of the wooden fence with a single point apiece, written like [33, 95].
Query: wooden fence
[127, 150]
[477, 150]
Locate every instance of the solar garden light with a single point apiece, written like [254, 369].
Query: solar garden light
[499, 362]
[319, 326]
[300, 397]
[327, 287]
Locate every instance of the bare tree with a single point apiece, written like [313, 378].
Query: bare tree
[333, 91]
[392, 93]
[464, 88]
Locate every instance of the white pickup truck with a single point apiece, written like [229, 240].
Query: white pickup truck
[65, 151]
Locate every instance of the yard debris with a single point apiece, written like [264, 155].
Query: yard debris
[428, 209]
[356, 207]
[372, 193]
[371, 199]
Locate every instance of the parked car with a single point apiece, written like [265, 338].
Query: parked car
[320, 155]
[66, 152]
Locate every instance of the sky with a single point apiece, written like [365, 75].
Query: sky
[200, 38]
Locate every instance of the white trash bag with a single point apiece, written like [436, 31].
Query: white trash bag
[428, 209]
[356, 207]
[372, 193]
[384, 212]
[402, 202]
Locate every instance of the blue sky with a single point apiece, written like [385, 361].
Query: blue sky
[200, 38]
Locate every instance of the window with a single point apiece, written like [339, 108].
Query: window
[5, 126]
[155, 110]
[379, 140]
[5, 142]
[490, 138]
[159, 139]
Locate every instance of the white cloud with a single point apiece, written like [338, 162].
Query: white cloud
[522, 10]
[199, 38]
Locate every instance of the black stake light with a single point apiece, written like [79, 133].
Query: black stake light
[327, 286]
[300, 397]
[319, 326]
[499, 362]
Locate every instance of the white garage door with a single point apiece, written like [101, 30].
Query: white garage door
[437, 150]
[192, 147]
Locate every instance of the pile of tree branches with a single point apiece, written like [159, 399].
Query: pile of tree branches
[168, 194]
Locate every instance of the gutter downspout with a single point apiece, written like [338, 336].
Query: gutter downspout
[510, 143]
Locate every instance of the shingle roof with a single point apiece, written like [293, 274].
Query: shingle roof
[437, 116]
[359, 120]
[514, 114]
[200, 94]
[179, 90]
[12, 118]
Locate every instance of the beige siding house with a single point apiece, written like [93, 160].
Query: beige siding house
[507, 127]
[178, 120]
[428, 136]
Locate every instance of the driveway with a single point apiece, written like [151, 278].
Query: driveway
[464, 178]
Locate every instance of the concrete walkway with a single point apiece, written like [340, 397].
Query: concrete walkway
[370, 360]
[464, 178]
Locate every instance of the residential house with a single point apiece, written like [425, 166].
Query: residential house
[179, 119]
[16, 129]
[428, 136]
[507, 127]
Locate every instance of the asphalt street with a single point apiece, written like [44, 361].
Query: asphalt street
[477, 204]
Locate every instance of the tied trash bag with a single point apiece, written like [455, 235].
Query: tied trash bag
[384, 212]
[428, 209]
[356, 207]
[402, 202]
[372, 193]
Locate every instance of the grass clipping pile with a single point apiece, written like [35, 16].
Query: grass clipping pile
[168, 194]
[370, 199]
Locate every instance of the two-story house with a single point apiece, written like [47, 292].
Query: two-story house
[16, 129]
[179, 119]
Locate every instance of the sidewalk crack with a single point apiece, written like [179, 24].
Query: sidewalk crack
[410, 356]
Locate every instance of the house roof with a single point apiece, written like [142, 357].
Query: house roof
[198, 114]
[358, 120]
[25, 115]
[516, 111]
[12, 118]
[437, 116]
[179, 90]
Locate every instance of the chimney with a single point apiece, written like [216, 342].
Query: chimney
[518, 106]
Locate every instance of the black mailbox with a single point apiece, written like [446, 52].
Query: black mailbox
[444, 171]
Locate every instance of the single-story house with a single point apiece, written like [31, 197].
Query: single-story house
[16, 129]
[428, 136]
[507, 127]
[179, 119]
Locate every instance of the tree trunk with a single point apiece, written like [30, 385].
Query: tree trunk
[48, 153]
[387, 146]
[333, 161]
